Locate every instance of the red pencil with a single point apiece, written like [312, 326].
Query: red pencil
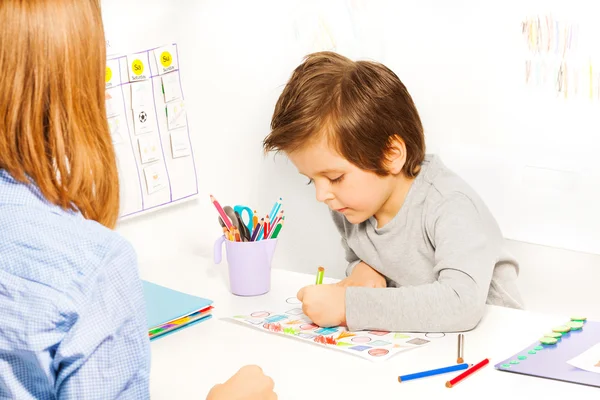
[267, 226]
[468, 372]
[221, 212]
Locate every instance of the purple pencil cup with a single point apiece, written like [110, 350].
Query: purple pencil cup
[249, 265]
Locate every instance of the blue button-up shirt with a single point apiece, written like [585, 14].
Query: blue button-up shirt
[72, 311]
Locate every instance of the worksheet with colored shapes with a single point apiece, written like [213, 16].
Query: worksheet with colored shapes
[375, 346]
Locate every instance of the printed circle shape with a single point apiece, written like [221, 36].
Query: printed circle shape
[137, 66]
[166, 59]
[361, 339]
[260, 314]
[378, 352]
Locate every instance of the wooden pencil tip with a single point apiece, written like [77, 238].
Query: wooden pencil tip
[460, 360]
[321, 269]
[400, 379]
[448, 384]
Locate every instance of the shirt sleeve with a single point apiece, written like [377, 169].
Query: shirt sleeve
[466, 251]
[106, 352]
[350, 256]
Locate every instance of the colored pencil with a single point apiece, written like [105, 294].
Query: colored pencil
[267, 227]
[276, 207]
[221, 212]
[277, 219]
[236, 234]
[254, 236]
[320, 273]
[275, 231]
[432, 372]
[468, 372]
[254, 220]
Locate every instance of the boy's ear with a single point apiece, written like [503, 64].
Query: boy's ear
[396, 155]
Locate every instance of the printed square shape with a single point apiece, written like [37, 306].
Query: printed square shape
[149, 148]
[155, 178]
[115, 125]
[360, 348]
[113, 102]
[112, 76]
[143, 120]
[171, 87]
[418, 341]
[176, 115]
[180, 144]
[379, 343]
[141, 95]
[166, 59]
[138, 67]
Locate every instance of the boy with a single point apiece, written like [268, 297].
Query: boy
[424, 252]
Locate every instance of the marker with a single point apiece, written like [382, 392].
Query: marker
[461, 348]
[320, 273]
[468, 372]
[432, 372]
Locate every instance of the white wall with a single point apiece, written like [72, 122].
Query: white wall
[458, 61]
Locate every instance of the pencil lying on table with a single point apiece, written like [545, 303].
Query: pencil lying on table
[432, 372]
[468, 372]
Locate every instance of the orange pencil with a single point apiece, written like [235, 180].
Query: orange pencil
[236, 233]
[254, 220]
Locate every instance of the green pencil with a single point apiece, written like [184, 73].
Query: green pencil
[277, 229]
[320, 274]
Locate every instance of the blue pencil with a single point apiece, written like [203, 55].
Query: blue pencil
[438, 371]
[276, 208]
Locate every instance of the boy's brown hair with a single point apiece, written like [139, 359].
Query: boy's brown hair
[53, 126]
[359, 106]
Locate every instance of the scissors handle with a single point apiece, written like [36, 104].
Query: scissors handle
[240, 210]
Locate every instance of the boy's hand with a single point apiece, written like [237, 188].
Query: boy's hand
[364, 275]
[325, 305]
[249, 383]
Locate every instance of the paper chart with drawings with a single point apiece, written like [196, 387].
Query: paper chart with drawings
[374, 346]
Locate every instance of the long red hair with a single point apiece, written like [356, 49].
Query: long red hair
[53, 127]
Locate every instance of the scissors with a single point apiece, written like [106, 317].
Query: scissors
[240, 210]
[238, 222]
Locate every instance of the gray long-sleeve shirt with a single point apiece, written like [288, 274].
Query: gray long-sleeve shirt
[443, 257]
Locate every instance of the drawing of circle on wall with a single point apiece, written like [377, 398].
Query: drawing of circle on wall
[308, 327]
[260, 314]
[361, 339]
[378, 352]
[293, 300]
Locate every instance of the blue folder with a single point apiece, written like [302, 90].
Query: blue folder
[164, 305]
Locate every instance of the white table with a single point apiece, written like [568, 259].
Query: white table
[186, 364]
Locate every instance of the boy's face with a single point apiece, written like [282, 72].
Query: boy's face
[344, 187]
